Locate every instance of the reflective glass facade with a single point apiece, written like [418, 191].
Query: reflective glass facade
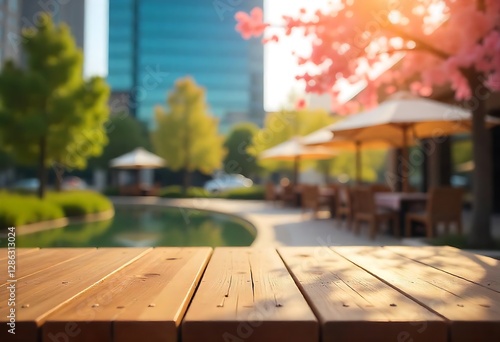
[10, 16]
[154, 42]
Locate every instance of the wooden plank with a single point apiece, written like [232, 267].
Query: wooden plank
[41, 293]
[31, 263]
[247, 294]
[147, 298]
[473, 311]
[478, 269]
[19, 252]
[353, 305]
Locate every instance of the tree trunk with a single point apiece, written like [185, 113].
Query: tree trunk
[58, 183]
[482, 177]
[42, 170]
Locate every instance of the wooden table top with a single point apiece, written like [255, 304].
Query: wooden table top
[249, 294]
[392, 200]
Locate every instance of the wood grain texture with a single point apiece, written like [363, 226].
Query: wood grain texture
[144, 301]
[353, 305]
[246, 294]
[473, 311]
[31, 263]
[478, 269]
[41, 293]
[19, 252]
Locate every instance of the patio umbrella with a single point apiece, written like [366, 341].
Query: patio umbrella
[294, 150]
[400, 122]
[325, 138]
[138, 159]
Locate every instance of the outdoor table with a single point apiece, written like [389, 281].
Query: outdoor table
[303, 294]
[401, 202]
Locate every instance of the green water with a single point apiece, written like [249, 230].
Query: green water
[145, 226]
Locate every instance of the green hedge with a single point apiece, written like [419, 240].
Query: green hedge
[17, 210]
[175, 191]
[253, 193]
[79, 203]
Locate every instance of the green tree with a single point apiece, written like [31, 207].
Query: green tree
[282, 126]
[238, 159]
[50, 114]
[372, 163]
[124, 134]
[186, 134]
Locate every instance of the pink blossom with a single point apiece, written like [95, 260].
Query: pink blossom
[493, 81]
[356, 37]
[250, 25]
[301, 104]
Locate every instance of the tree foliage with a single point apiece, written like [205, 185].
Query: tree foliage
[282, 126]
[186, 134]
[49, 113]
[372, 164]
[124, 135]
[238, 159]
[386, 45]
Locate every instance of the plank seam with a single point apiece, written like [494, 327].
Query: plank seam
[394, 287]
[439, 269]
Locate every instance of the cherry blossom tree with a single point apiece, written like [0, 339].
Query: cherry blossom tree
[451, 44]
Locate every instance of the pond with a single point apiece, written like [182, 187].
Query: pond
[147, 226]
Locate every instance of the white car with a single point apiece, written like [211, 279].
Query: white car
[227, 182]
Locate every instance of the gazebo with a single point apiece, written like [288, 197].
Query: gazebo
[138, 159]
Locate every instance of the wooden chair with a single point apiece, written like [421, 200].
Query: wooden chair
[288, 195]
[443, 206]
[344, 204]
[380, 188]
[366, 211]
[271, 193]
[311, 199]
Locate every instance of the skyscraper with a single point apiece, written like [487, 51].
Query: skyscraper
[154, 42]
[18, 14]
[10, 14]
[70, 12]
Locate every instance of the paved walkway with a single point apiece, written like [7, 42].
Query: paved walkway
[277, 226]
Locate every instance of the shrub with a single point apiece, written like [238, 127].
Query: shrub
[175, 191]
[252, 193]
[111, 191]
[17, 210]
[79, 203]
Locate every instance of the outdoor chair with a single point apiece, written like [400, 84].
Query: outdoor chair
[443, 206]
[366, 211]
[380, 188]
[344, 204]
[271, 193]
[311, 199]
[288, 195]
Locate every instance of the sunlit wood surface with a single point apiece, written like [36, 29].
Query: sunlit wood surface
[249, 294]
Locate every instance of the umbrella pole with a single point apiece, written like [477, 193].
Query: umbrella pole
[296, 170]
[358, 163]
[405, 162]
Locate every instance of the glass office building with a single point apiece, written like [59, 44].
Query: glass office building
[154, 42]
[10, 15]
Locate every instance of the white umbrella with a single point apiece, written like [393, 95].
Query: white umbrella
[400, 122]
[138, 159]
[295, 150]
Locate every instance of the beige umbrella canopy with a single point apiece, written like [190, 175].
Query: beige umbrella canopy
[138, 159]
[295, 150]
[400, 122]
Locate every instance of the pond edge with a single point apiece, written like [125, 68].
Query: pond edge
[63, 222]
